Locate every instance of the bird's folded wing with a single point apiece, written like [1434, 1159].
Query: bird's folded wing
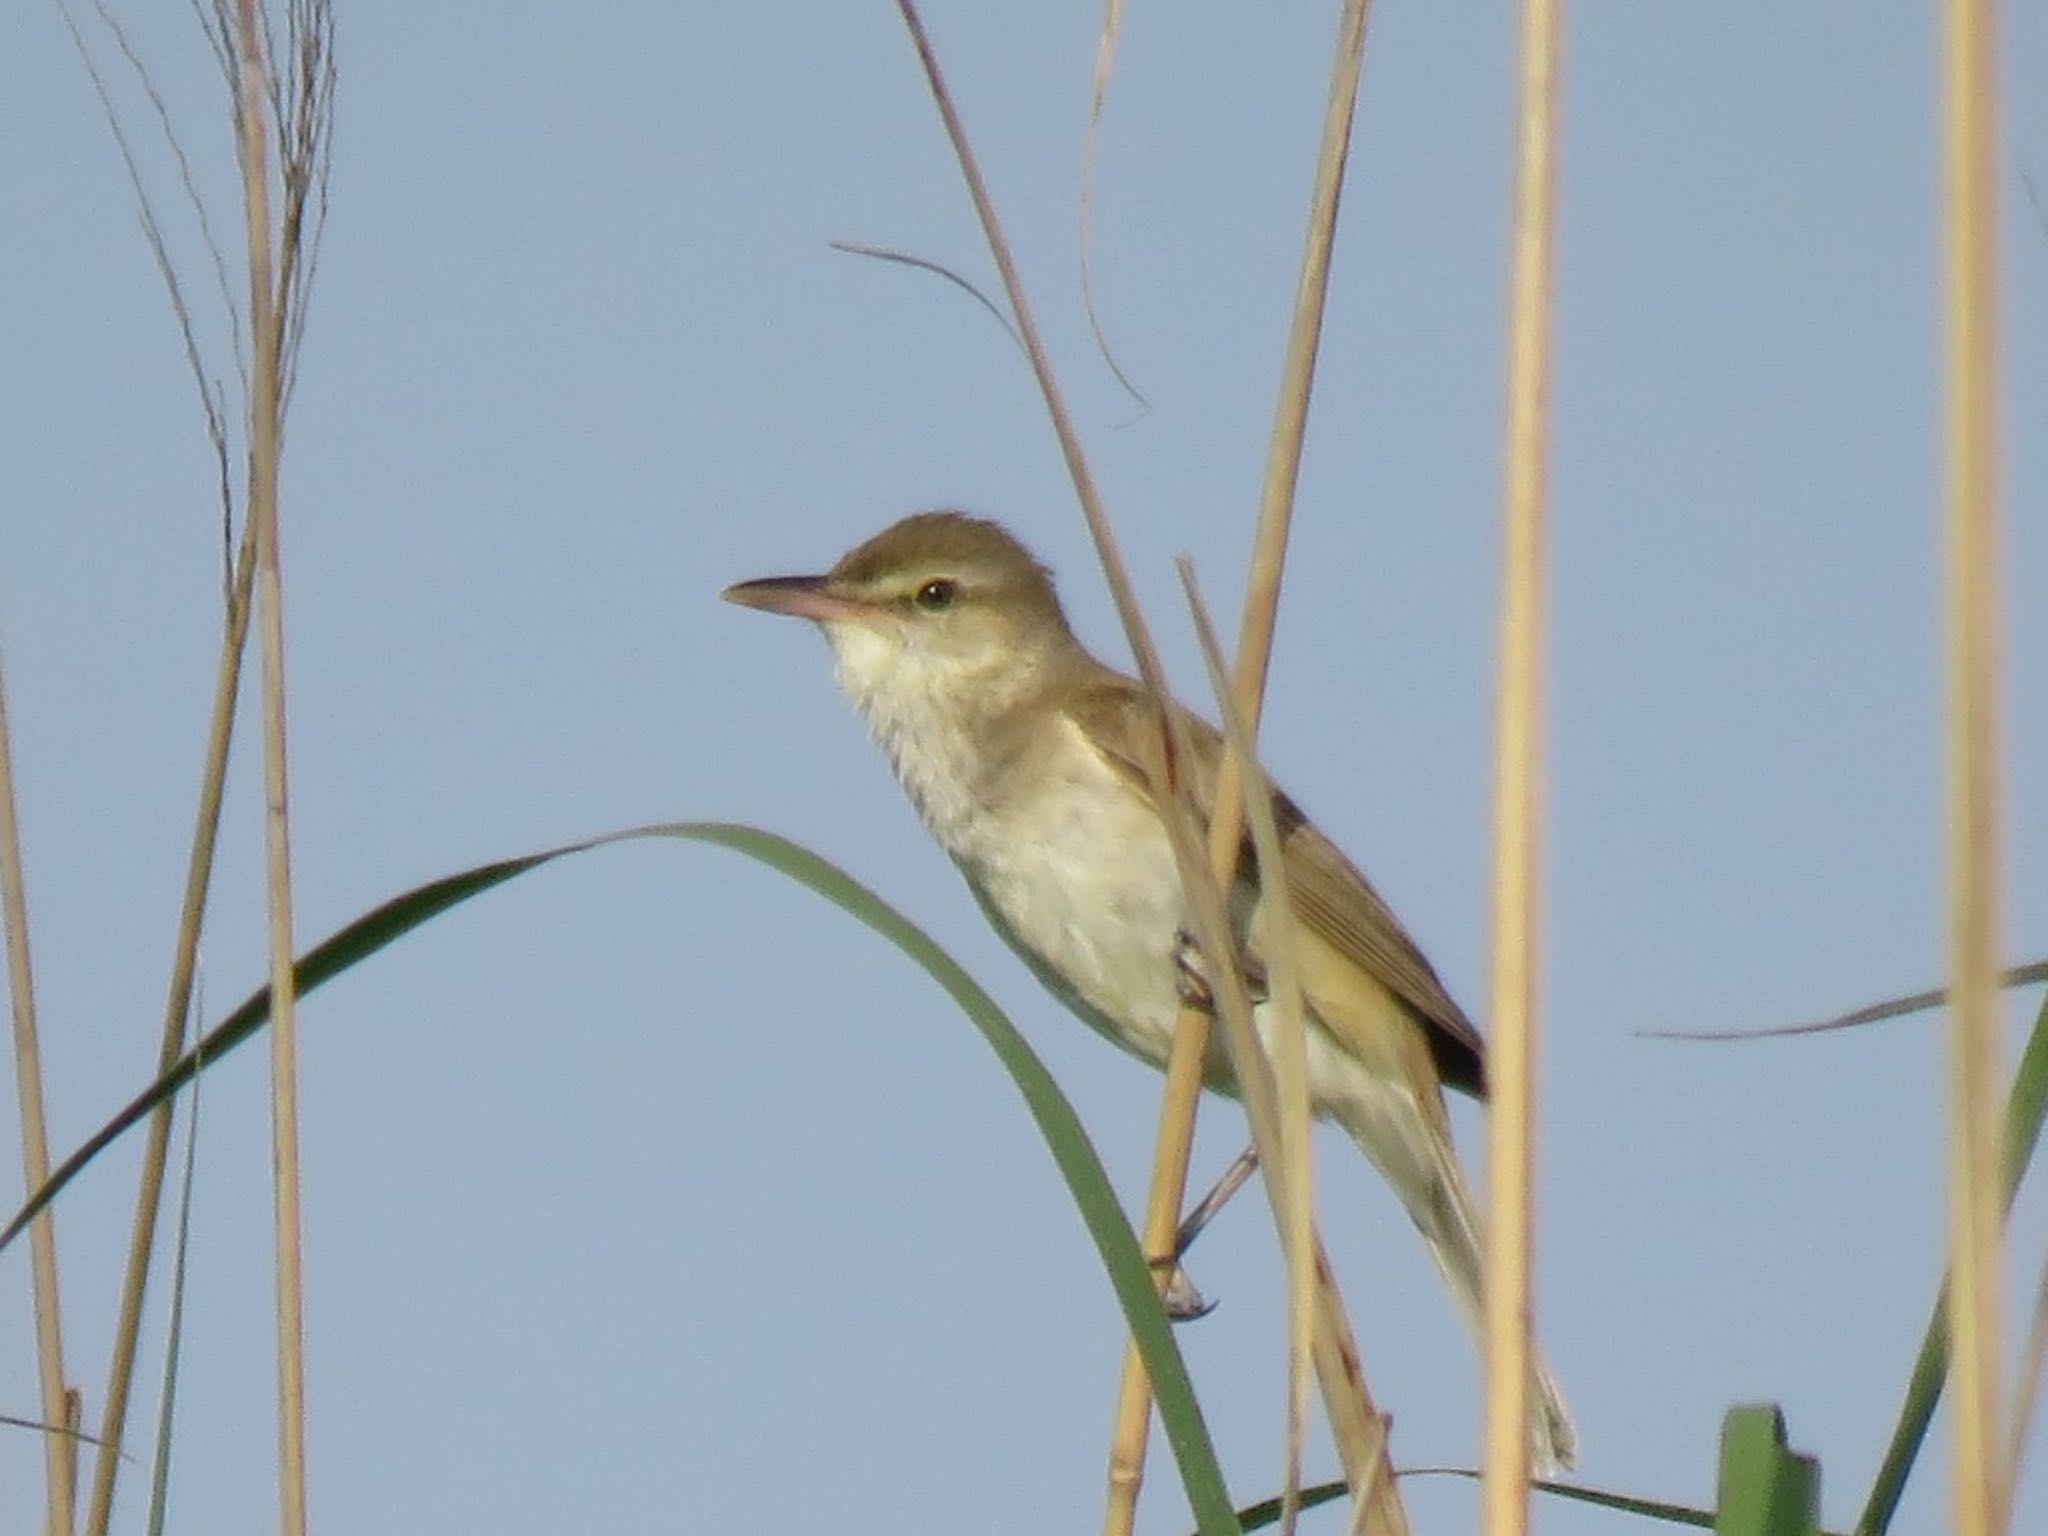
[1331, 897]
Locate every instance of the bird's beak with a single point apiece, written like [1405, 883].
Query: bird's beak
[803, 597]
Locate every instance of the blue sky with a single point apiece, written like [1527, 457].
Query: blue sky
[651, 1191]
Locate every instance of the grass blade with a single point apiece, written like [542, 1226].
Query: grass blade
[1765, 1489]
[174, 1326]
[357, 941]
[2024, 1111]
[1873, 1013]
[937, 269]
[1096, 1200]
[1256, 1517]
[1094, 1197]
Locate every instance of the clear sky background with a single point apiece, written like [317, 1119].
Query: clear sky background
[652, 1194]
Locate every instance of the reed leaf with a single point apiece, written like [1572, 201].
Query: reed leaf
[1065, 1138]
[2024, 1110]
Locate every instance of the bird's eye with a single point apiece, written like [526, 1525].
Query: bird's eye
[936, 594]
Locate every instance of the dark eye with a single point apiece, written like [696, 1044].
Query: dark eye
[936, 594]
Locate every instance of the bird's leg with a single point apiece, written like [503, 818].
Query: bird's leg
[1205, 1210]
[1182, 1301]
[1191, 981]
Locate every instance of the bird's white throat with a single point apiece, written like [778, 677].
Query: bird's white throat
[922, 709]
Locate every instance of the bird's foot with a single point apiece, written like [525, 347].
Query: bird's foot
[1191, 975]
[1183, 1303]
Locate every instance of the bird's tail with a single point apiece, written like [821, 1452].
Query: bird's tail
[1418, 1160]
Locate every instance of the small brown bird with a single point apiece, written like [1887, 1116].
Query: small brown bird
[1027, 758]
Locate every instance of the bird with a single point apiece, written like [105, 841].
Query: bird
[1032, 764]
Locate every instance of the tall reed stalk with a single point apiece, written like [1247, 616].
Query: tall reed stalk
[1971, 543]
[1518, 790]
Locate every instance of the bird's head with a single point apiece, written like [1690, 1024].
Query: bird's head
[938, 610]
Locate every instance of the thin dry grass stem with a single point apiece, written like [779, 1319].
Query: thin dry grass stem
[39, 1426]
[152, 228]
[1357, 1429]
[174, 1321]
[1890, 1008]
[1091, 148]
[216, 254]
[1969, 333]
[177, 1005]
[1335, 1356]
[1360, 1433]
[1175, 749]
[255, 84]
[303, 155]
[302, 111]
[1143, 651]
[1170, 1159]
[121, 1367]
[1294, 1194]
[936, 269]
[60, 1452]
[1518, 764]
[1211, 927]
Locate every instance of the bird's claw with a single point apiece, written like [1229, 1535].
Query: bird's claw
[1183, 1303]
[1191, 975]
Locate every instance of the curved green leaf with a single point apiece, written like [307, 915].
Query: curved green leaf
[1258, 1516]
[2024, 1111]
[326, 960]
[1096, 1200]
[1094, 1197]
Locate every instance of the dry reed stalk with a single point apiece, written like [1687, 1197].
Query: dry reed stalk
[1167, 790]
[1512, 1012]
[184, 963]
[304, 160]
[1359, 1432]
[1294, 1198]
[266, 400]
[1970, 493]
[60, 1451]
[121, 1366]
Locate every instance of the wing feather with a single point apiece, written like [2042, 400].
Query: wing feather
[1331, 896]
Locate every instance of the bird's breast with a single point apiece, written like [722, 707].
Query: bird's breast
[1077, 873]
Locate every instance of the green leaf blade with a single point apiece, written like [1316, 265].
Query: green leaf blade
[1072, 1152]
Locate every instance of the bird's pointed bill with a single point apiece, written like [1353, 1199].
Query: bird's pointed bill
[802, 597]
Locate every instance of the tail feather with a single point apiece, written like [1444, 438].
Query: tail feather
[1433, 1189]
